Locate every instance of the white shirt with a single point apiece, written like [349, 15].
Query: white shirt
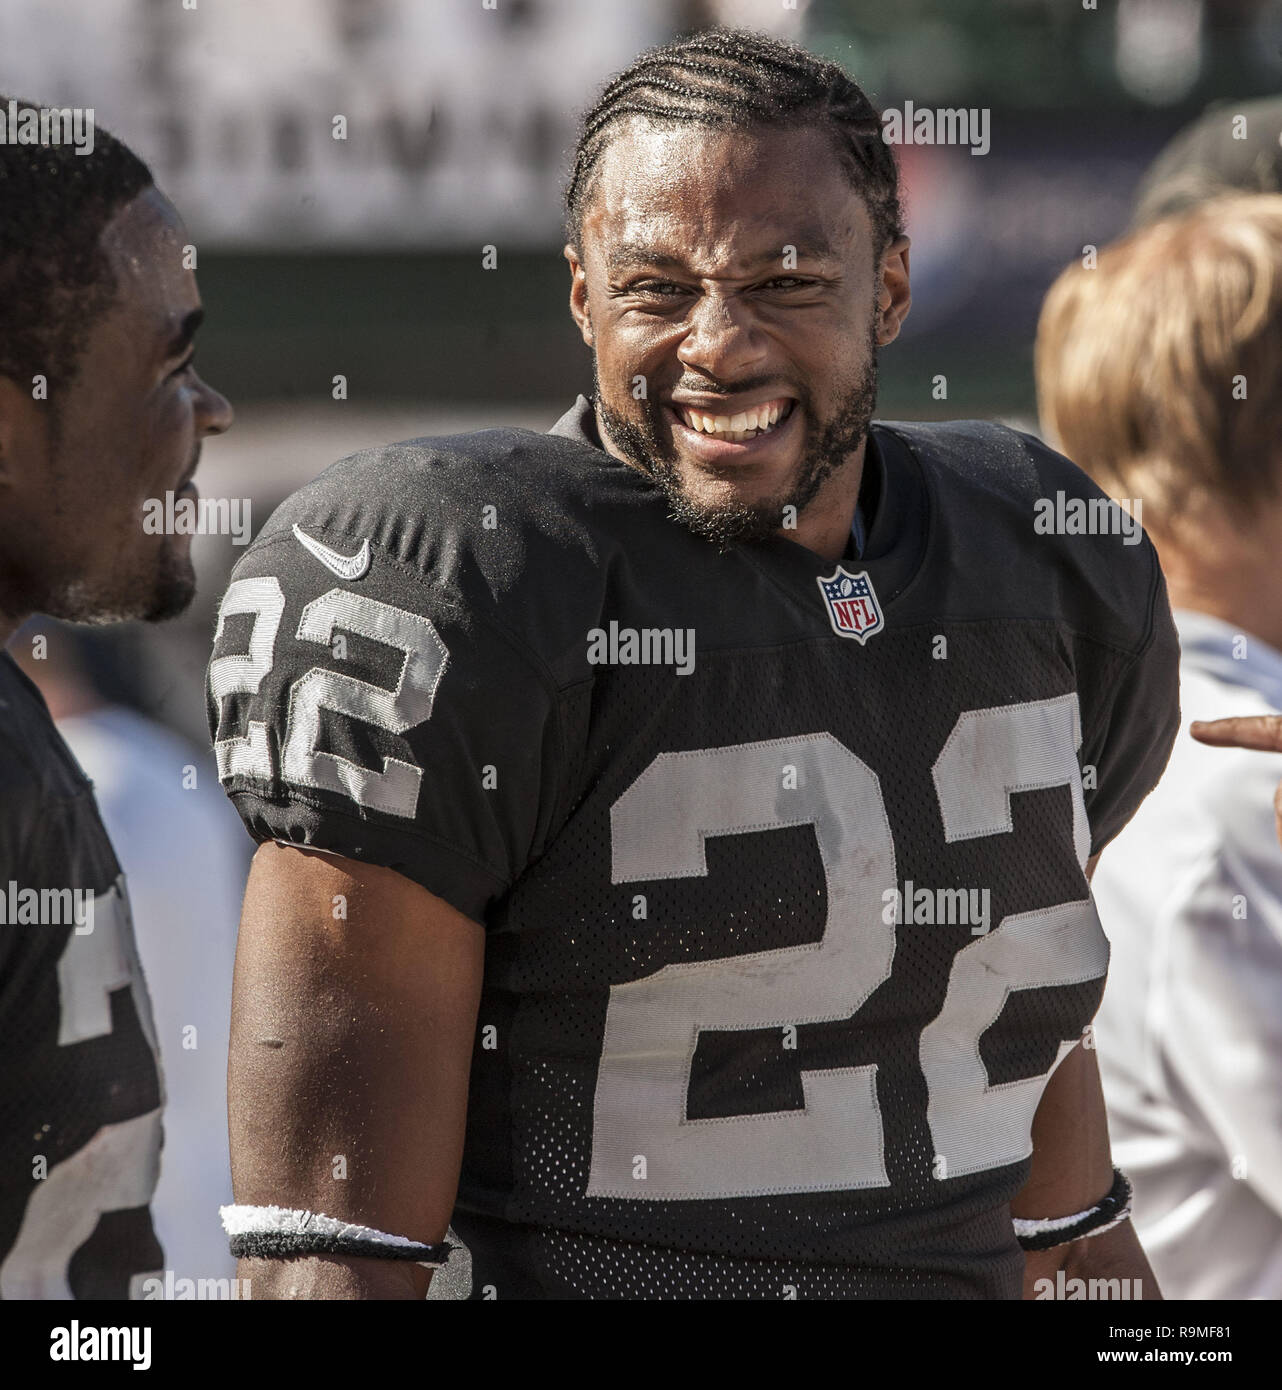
[1190, 1030]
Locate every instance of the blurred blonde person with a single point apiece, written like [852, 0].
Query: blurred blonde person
[1159, 371]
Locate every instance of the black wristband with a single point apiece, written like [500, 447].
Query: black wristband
[1108, 1212]
[284, 1245]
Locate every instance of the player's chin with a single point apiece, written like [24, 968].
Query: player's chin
[174, 582]
[723, 494]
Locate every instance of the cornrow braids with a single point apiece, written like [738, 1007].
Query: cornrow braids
[738, 78]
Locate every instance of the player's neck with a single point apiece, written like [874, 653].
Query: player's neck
[824, 526]
[1254, 619]
[1230, 576]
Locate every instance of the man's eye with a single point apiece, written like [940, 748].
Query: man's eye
[184, 367]
[663, 289]
[788, 282]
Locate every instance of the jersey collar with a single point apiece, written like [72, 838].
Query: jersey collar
[892, 504]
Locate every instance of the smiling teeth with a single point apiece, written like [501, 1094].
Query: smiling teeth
[747, 424]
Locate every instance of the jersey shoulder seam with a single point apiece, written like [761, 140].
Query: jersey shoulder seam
[445, 593]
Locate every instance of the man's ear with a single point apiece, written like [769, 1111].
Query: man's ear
[579, 294]
[894, 295]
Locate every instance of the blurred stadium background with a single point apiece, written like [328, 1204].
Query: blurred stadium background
[363, 258]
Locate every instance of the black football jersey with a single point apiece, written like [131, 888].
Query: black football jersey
[80, 1084]
[780, 861]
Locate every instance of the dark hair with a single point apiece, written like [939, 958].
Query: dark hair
[738, 78]
[55, 280]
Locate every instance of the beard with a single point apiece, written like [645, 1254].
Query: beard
[826, 449]
[173, 587]
[162, 590]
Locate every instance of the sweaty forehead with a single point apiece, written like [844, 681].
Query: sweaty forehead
[729, 198]
[144, 242]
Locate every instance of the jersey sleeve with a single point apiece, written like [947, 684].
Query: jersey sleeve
[1110, 597]
[1130, 725]
[382, 718]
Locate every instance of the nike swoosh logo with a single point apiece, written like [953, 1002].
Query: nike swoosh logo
[345, 566]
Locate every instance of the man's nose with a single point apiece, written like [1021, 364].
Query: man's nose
[216, 413]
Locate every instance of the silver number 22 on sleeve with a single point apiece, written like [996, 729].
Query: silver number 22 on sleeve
[658, 830]
[394, 789]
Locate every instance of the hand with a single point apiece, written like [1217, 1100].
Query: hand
[1262, 732]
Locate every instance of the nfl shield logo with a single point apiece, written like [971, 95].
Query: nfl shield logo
[853, 609]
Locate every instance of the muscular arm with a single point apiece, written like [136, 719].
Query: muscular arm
[351, 1043]
[1072, 1169]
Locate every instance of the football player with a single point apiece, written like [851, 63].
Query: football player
[100, 411]
[676, 827]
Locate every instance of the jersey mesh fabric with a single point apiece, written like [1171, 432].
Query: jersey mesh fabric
[567, 935]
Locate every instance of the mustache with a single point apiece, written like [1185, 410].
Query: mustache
[738, 388]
